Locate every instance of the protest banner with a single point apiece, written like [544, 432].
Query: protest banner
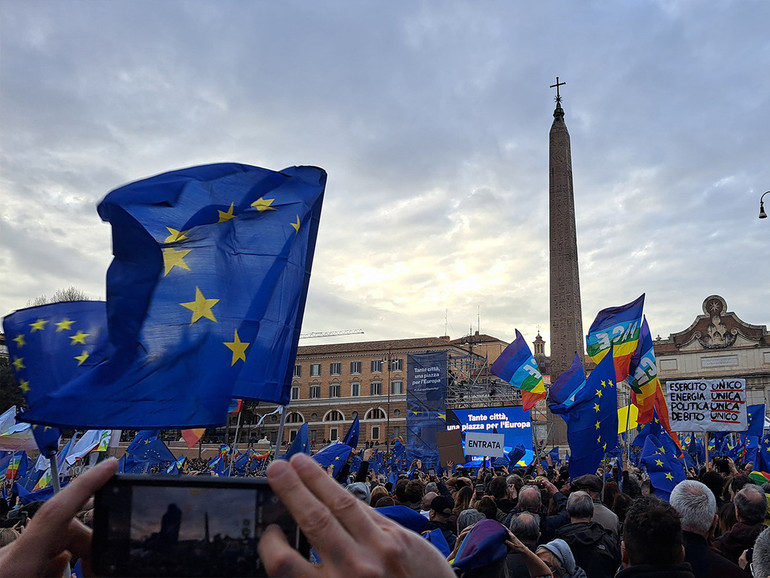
[483, 444]
[707, 404]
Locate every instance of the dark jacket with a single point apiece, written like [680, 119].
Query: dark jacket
[595, 548]
[446, 530]
[705, 562]
[740, 537]
[657, 571]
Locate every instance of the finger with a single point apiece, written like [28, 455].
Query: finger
[48, 527]
[279, 558]
[350, 511]
[316, 520]
[79, 539]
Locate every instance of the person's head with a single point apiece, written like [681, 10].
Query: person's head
[622, 502]
[377, 493]
[412, 494]
[750, 505]
[441, 508]
[558, 557]
[526, 527]
[589, 483]
[427, 499]
[463, 499]
[652, 533]
[530, 499]
[488, 507]
[760, 562]
[384, 502]
[713, 482]
[738, 483]
[360, 490]
[726, 515]
[7, 535]
[431, 487]
[696, 506]
[400, 491]
[580, 507]
[611, 490]
[468, 518]
[498, 488]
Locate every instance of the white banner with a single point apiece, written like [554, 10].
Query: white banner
[483, 444]
[707, 404]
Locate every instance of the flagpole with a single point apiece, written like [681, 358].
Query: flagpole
[279, 441]
[706, 447]
[235, 442]
[54, 473]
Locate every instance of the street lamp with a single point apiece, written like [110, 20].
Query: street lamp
[762, 214]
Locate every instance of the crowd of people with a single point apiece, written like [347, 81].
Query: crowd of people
[493, 522]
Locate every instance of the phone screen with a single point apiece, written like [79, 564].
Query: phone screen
[194, 527]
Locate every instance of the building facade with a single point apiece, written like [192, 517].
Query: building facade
[718, 344]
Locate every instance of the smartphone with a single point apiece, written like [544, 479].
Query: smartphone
[185, 526]
[480, 489]
[431, 472]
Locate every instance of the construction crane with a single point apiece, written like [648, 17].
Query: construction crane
[315, 334]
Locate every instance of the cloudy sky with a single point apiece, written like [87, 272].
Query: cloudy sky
[432, 121]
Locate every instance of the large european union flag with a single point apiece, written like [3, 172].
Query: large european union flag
[664, 469]
[592, 419]
[205, 298]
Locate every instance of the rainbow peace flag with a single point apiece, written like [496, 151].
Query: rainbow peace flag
[517, 366]
[13, 466]
[618, 327]
[643, 375]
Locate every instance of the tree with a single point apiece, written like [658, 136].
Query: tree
[69, 294]
[10, 392]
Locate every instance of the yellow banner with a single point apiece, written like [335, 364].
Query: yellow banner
[624, 424]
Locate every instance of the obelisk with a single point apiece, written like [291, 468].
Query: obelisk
[566, 314]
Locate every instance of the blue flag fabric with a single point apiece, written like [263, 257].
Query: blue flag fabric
[142, 438]
[592, 419]
[763, 454]
[756, 420]
[351, 438]
[154, 451]
[47, 439]
[561, 395]
[664, 469]
[205, 298]
[554, 453]
[335, 454]
[301, 443]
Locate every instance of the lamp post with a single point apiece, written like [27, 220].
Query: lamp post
[762, 214]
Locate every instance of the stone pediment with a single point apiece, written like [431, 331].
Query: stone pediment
[718, 328]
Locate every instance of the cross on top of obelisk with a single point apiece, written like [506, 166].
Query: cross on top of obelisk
[556, 86]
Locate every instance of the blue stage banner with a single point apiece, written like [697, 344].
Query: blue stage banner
[425, 405]
[513, 422]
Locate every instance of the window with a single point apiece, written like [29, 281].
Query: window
[355, 367]
[334, 415]
[335, 368]
[315, 369]
[396, 431]
[396, 413]
[314, 416]
[297, 370]
[397, 387]
[375, 432]
[376, 388]
[294, 417]
[333, 435]
[295, 392]
[397, 364]
[334, 390]
[375, 413]
[292, 435]
[376, 365]
[355, 389]
[315, 391]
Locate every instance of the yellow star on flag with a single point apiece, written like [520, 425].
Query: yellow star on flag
[604, 447]
[18, 363]
[611, 384]
[296, 225]
[175, 236]
[24, 385]
[659, 463]
[662, 449]
[599, 439]
[38, 325]
[604, 383]
[669, 476]
[201, 307]
[263, 205]
[19, 339]
[79, 337]
[238, 348]
[598, 424]
[174, 258]
[64, 324]
[82, 357]
[596, 407]
[598, 392]
[226, 216]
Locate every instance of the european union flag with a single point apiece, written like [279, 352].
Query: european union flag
[517, 366]
[592, 419]
[763, 454]
[335, 454]
[142, 438]
[47, 439]
[756, 420]
[205, 298]
[300, 445]
[351, 438]
[154, 451]
[664, 469]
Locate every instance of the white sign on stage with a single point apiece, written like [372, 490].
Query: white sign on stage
[707, 404]
[484, 444]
